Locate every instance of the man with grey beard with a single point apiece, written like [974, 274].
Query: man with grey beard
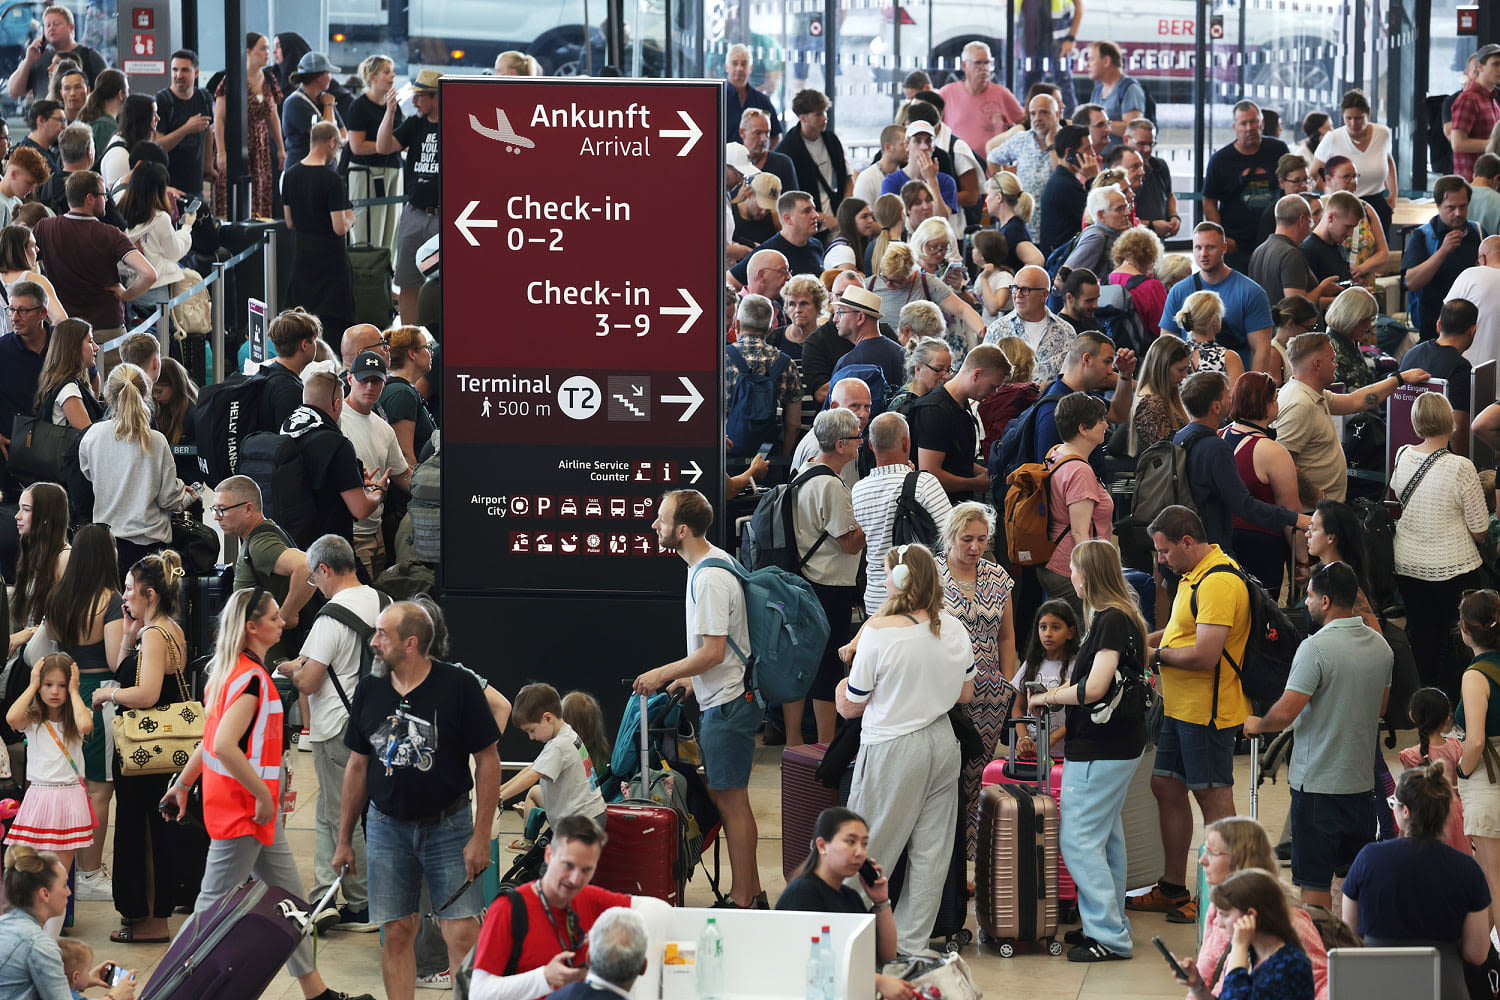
[414, 726]
[327, 672]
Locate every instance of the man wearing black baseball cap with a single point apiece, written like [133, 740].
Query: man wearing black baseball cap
[376, 445]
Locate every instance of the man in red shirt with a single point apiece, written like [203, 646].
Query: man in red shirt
[561, 907]
[1475, 112]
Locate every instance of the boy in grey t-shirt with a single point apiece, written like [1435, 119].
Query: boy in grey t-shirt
[563, 768]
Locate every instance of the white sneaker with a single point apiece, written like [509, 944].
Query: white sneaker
[93, 886]
[436, 981]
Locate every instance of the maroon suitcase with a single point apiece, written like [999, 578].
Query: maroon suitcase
[233, 950]
[641, 854]
[803, 797]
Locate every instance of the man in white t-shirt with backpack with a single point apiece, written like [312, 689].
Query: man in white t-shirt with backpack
[716, 622]
[334, 658]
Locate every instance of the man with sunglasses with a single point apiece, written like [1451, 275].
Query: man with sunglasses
[1336, 694]
[21, 354]
[268, 557]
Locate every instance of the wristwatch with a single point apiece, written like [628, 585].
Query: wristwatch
[1070, 38]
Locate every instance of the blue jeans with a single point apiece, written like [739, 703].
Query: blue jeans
[1093, 845]
[402, 854]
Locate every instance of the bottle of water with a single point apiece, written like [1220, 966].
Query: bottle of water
[816, 985]
[829, 965]
[710, 960]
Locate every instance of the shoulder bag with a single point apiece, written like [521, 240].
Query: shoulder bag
[159, 740]
[38, 447]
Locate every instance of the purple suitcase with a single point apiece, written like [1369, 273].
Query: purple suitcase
[234, 949]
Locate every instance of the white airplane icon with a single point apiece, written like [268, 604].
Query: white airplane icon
[502, 132]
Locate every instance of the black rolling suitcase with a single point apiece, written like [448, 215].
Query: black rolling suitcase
[206, 596]
[371, 266]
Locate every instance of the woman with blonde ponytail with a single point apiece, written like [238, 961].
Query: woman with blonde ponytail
[135, 482]
[911, 664]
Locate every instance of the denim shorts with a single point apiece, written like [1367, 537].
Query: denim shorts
[728, 741]
[1198, 756]
[400, 853]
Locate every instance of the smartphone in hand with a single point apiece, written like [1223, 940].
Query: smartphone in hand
[868, 872]
[1171, 961]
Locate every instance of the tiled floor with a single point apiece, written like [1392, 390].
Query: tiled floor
[350, 962]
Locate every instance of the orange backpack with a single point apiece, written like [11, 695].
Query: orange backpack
[1028, 538]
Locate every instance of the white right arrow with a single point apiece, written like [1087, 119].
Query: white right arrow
[697, 472]
[464, 223]
[692, 310]
[693, 399]
[691, 133]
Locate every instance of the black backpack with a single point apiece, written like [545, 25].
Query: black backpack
[227, 412]
[771, 539]
[913, 522]
[258, 455]
[1269, 650]
[1118, 317]
[362, 634]
[1380, 553]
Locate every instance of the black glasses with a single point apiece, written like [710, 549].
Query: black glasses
[218, 511]
[1025, 289]
[23, 310]
[940, 372]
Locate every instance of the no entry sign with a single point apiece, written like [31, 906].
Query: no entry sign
[583, 292]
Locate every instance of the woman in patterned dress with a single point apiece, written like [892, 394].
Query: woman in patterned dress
[977, 592]
[263, 125]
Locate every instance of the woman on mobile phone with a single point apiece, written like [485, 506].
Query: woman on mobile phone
[1265, 962]
[148, 214]
[840, 851]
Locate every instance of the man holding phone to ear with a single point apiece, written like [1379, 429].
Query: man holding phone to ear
[1066, 192]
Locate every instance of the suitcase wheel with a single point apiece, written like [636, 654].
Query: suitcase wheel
[1007, 949]
[1054, 948]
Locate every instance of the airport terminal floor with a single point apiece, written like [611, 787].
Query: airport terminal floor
[351, 962]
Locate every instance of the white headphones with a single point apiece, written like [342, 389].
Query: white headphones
[900, 573]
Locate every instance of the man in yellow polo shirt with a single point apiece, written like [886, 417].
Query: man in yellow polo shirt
[1202, 697]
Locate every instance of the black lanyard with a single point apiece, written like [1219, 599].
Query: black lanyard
[574, 938]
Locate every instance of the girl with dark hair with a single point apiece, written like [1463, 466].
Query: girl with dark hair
[840, 846]
[856, 227]
[1269, 473]
[158, 865]
[137, 124]
[85, 617]
[1266, 960]
[63, 391]
[1478, 771]
[287, 50]
[1050, 650]
[103, 106]
[1417, 890]
[18, 263]
[174, 394]
[1432, 713]
[36, 889]
[910, 664]
[262, 133]
[240, 761]
[148, 215]
[42, 523]
[1335, 534]
[1292, 317]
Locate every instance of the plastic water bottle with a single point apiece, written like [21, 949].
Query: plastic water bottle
[710, 961]
[816, 985]
[825, 946]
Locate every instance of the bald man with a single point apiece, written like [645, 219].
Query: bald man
[362, 337]
[1480, 285]
[1048, 333]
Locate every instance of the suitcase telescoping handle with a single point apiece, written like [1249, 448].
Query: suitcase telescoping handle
[1043, 753]
[1255, 777]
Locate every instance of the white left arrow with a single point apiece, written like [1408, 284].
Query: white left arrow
[691, 133]
[692, 310]
[693, 399]
[465, 223]
[697, 472]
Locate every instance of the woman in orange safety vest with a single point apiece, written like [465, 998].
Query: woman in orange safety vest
[240, 762]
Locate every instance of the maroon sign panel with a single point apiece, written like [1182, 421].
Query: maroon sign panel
[582, 256]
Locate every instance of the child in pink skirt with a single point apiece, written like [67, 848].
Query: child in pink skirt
[1432, 713]
[56, 814]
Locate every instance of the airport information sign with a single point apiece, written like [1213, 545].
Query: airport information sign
[582, 256]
